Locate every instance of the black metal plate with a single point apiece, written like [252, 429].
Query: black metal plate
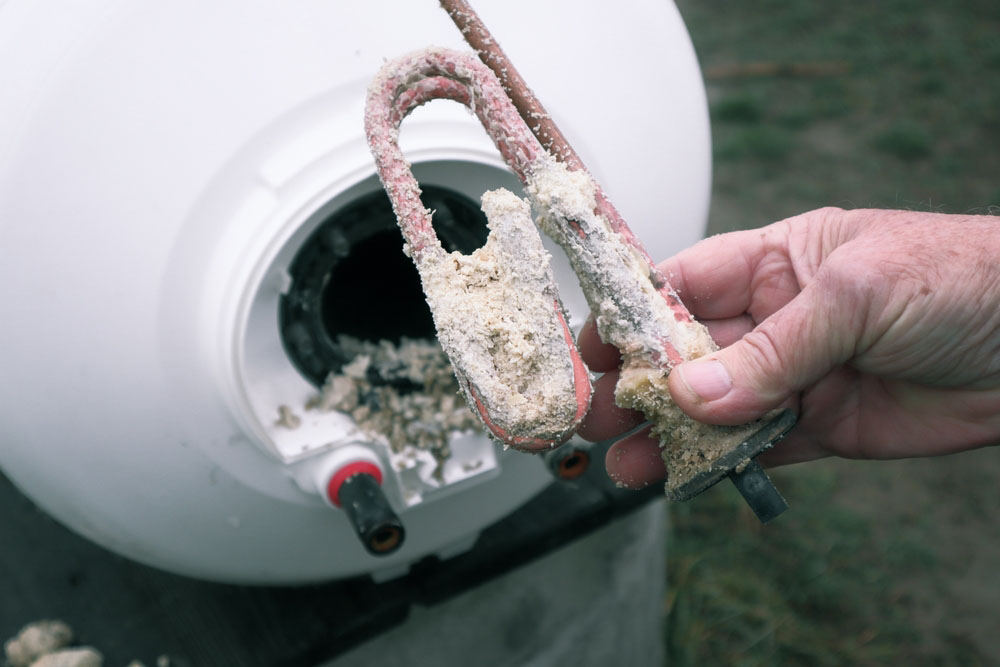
[771, 431]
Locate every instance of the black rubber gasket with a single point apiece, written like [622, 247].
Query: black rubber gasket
[351, 277]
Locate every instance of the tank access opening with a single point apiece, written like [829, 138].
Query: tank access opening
[350, 277]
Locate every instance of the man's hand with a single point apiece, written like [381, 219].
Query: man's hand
[881, 328]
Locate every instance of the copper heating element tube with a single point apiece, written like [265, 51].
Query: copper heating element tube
[402, 86]
[541, 124]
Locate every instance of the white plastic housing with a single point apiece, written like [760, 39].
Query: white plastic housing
[159, 163]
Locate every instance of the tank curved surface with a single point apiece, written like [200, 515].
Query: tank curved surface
[158, 162]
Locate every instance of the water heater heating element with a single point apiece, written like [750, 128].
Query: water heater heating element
[195, 247]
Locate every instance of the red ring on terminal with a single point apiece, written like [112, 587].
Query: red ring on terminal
[345, 473]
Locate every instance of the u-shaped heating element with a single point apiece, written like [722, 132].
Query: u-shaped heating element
[497, 311]
[634, 306]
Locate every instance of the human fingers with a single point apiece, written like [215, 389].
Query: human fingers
[723, 277]
[599, 356]
[758, 271]
[635, 461]
[715, 278]
[602, 357]
[728, 331]
[605, 419]
[790, 350]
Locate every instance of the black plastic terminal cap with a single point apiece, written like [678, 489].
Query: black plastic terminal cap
[379, 529]
[760, 493]
[740, 465]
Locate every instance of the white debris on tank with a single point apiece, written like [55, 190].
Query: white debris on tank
[287, 418]
[404, 394]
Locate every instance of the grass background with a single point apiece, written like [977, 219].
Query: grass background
[893, 104]
[913, 121]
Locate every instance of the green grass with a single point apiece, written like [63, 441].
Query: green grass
[816, 587]
[906, 142]
[765, 142]
[738, 109]
[910, 120]
[912, 117]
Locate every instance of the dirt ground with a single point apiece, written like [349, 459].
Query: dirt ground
[849, 104]
[949, 506]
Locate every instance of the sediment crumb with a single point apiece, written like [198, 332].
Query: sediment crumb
[404, 393]
[35, 640]
[46, 644]
[287, 418]
[71, 657]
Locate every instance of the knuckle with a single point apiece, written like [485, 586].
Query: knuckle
[763, 361]
[843, 280]
[824, 216]
[828, 214]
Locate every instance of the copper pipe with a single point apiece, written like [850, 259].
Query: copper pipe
[401, 86]
[478, 36]
[531, 110]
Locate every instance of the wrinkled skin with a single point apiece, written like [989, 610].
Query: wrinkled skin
[881, 328]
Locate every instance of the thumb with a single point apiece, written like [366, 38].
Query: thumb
[792, 349]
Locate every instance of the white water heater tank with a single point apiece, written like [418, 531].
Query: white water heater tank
[162, 165]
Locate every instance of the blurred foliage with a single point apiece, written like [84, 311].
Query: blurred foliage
[906, 119]
[907, 142]
[819, 586]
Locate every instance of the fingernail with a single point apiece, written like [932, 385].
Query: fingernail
[708, 380]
